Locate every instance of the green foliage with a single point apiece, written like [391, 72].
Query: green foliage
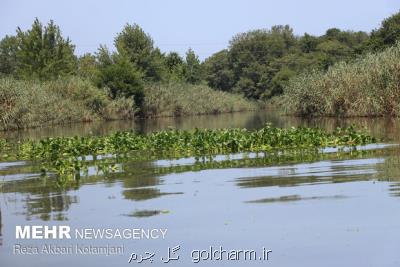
[8, 57]
[175, 67]
[252, 54]
[180, 99]
[67, 155]
[219, 75]
[386, 35]
[3, 143]
[369, 86]
[279, 81]
[333, 50]
[193, 69]
[308, 43]
[258, 63]
[30, 103]
[26, 104]
[88, 67]
[43, 53]
[138, 46]
[118, 73]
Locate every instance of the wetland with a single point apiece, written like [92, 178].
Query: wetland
[304, 205]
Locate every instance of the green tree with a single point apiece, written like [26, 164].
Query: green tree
[386, 35]
[279, 81]
[333, 51]
[8, 57]
[120, 75]
[175, 66]
[43, 53]
[252, 59]
[218, 72]
[259, 63]
[138, 46]
[247, 87]
[193, 69]
[308, 43]
[88, 67]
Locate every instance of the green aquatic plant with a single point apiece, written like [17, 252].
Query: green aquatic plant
[70, 156]
[2, 144]
[4, 148]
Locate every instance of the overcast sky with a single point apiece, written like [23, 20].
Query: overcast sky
[205, 25]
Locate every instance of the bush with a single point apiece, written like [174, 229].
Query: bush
[26, 104]
[120, 108]
[369, 86]
[120, 75]
[179, 99]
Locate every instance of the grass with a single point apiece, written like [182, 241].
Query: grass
[68, 156]
[369, 86]
[179, 99]
[26, 104]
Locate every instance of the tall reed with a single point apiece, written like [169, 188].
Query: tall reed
[179, 99]
[369, 86]
[25, 104]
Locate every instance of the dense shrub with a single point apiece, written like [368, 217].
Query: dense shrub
[179, 99]
[369, 86]
[26, 104]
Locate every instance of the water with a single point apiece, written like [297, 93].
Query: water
[327, 209]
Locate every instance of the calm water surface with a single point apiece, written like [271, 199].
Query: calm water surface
[326, 209]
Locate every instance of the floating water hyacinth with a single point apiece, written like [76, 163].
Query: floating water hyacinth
[67, 155]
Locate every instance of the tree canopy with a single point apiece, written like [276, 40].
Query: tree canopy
[257, 64]
[41, 52]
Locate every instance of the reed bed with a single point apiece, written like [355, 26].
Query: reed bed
[369, 86]
[179, 99]
[26, 104]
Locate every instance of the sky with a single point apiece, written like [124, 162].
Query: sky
[206, 26]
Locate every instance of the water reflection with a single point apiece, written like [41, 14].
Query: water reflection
[49, 206]
[1, 226]
[145, 194]
[314, 173]
[244, 119]
[140, 181]
[395, 189]
[382, 127]
[289, 193]
[294, 198]
[144, 213]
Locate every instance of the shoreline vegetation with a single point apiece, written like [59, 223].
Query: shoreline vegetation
[42, 81]
[366, 87]
[70, 157]
[340, 73]
[28, 104]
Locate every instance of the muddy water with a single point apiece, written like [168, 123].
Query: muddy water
[322, 209]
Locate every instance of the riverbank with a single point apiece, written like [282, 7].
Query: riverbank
[27, 104]
[366, 87]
